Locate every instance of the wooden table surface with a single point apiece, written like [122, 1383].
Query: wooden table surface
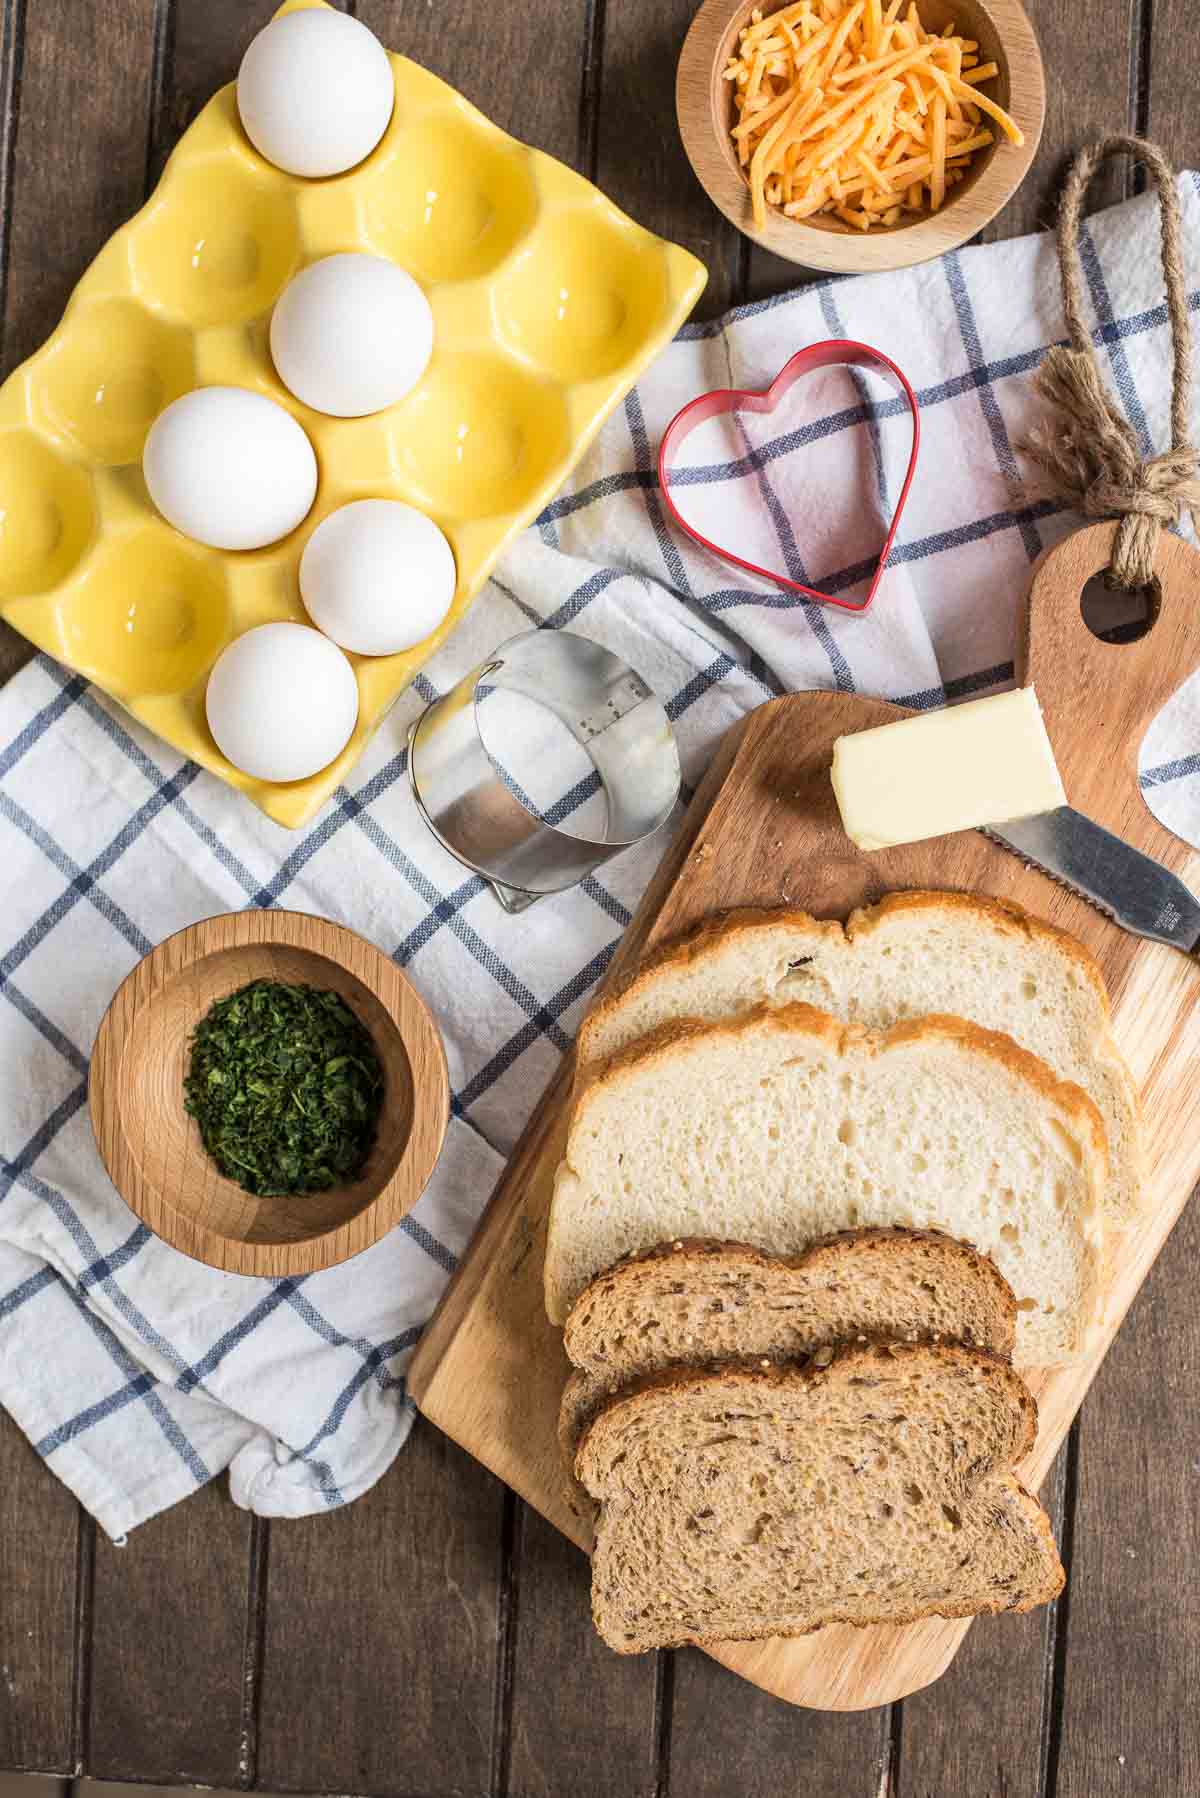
[434, 1637]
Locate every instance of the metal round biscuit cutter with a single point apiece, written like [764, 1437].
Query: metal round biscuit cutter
[476, 809]
[838, 351]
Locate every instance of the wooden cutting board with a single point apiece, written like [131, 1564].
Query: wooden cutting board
[764, 830]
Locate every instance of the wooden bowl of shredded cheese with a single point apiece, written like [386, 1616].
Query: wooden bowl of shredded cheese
[856, 135]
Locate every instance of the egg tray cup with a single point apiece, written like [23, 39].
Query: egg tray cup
[547, 302]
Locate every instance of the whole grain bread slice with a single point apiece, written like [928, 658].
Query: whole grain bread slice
[915, 953]
[781, 1126]
[741, 1504]
[701, 1302]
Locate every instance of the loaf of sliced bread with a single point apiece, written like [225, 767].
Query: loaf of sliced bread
[785, 1125]
[912, 955]
[701, 1303]
[742, 1504]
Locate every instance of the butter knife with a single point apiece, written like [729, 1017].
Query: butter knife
[1127, 885]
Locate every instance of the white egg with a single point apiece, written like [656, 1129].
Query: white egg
[351, 334]
[230, 468]
[377, 576]
[282, 702]
[315, 92]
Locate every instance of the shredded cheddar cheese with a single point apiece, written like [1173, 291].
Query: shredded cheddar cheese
[852, 108]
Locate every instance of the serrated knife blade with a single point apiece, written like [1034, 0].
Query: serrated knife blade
[1127, 885]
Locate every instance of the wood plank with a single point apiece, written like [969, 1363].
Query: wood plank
[1171, 115]
[530, 72]
[986, 1726]
[598, 1738]
[169, 1615]
[1089, 54]
[39, 1553]
[491, 1369]
[728, 1737]
[525, 69]
[67, 189]
[1132, 1665]
[168, 1641]
[1132, 1656]
[381, 1639]
[207, 41]
[79, 159]
[640, 160]
[15, 651]
[964, 1734]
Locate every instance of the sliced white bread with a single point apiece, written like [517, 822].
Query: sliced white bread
[785, 1125]
[701, 1303]
[742, 1504]
[913, 955]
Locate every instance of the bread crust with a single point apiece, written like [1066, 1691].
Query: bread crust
[1007, 918]
[1075, 1106]
[1002, 916]
[694, 945]
[870, 1239]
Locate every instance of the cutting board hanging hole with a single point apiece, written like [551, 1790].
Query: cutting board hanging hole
[1119, 614]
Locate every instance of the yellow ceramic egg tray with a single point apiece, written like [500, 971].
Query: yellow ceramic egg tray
[547, 304]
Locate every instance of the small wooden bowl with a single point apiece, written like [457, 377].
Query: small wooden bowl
[704, 103]
[152, 1148]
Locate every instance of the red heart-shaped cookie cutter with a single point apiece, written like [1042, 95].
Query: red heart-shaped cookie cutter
[837, 352]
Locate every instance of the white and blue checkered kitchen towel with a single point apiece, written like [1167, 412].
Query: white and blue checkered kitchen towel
[138, 1374]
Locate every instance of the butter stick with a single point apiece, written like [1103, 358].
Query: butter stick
[968, 765]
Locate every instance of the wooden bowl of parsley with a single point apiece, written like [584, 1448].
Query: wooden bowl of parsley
[268, 1092]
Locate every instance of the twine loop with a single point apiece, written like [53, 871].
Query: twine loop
[1089, 453]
